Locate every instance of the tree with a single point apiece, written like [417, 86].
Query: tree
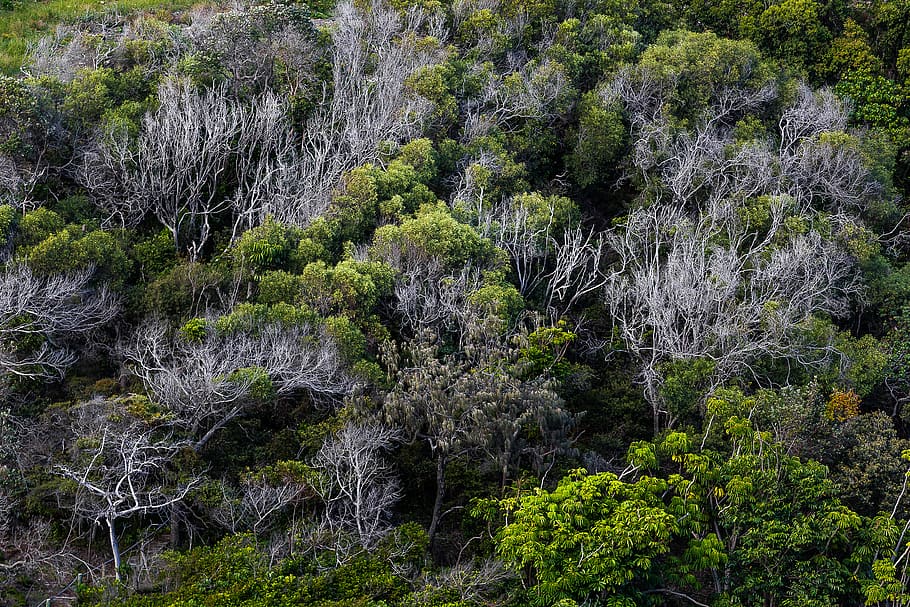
[712, 288]
[121, 465]
[207, 378]
[375, 51]
[786, 535]
[708, 266]
[590, 539]
[745, 524]
[358, 487]
[40, 314]
[263, 498]
[464, 405]
[174, 167]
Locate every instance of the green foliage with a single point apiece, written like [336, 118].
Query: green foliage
[7, 220]
[868, 362]
[257, 378]
[561, 535]
[792, 30]
[433, 233]
[155, 255]
[270, 246]
[546, 350]
[278, 286]
[182, 292]
[72, 249]
[249, 318]
[20, 116]
[195, 329]
[877, 101]
[497, 297]
[685, 384]
[703, 65]
[37, 225]
[236, 572]
[350, 339]
[601, 136]
[351, 286]
[851, 53]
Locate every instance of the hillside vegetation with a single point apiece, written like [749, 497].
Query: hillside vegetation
[455, 303]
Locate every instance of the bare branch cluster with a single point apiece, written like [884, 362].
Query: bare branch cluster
[358, 486]
[259, 503]
[534, 91]
[691, 287]
[810, 158]
[174, 168]
[428, 297]
[49, 309]
[207, 383]
[470, 582]
[375, 52]
[120, 464]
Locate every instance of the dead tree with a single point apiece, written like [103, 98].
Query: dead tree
[690, 287]
[40, 314]
[357, 485]
[695, 278]
[375, 50]
[810, 157]
[173, 169]
[260, 501]
[206, 383]
[121, 466]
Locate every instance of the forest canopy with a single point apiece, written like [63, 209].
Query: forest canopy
[455, 303]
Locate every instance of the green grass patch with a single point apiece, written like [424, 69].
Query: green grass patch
[24, 21]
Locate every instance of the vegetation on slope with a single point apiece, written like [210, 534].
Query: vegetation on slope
[455, 303]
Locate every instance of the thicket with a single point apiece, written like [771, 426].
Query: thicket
[457, 303]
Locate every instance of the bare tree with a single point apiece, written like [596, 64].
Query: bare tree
[809, 158]
[695, 278]
[71, 49]
[247, 40]
[577, 270]
[206, 383]
[357, 485]
[261, 500]
[27, 545]
[375, 50]
[175, 166]
[533, 91]
[17, 182]
[270, 168]
[690, 287]
[527, 227]
[427, 297]
[480, 582]
[121, 465]
[40, 314]
[196, 143]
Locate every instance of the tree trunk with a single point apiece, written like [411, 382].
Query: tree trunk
[115, 547]
[652, 396]
[175, 525]
[441, 463]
